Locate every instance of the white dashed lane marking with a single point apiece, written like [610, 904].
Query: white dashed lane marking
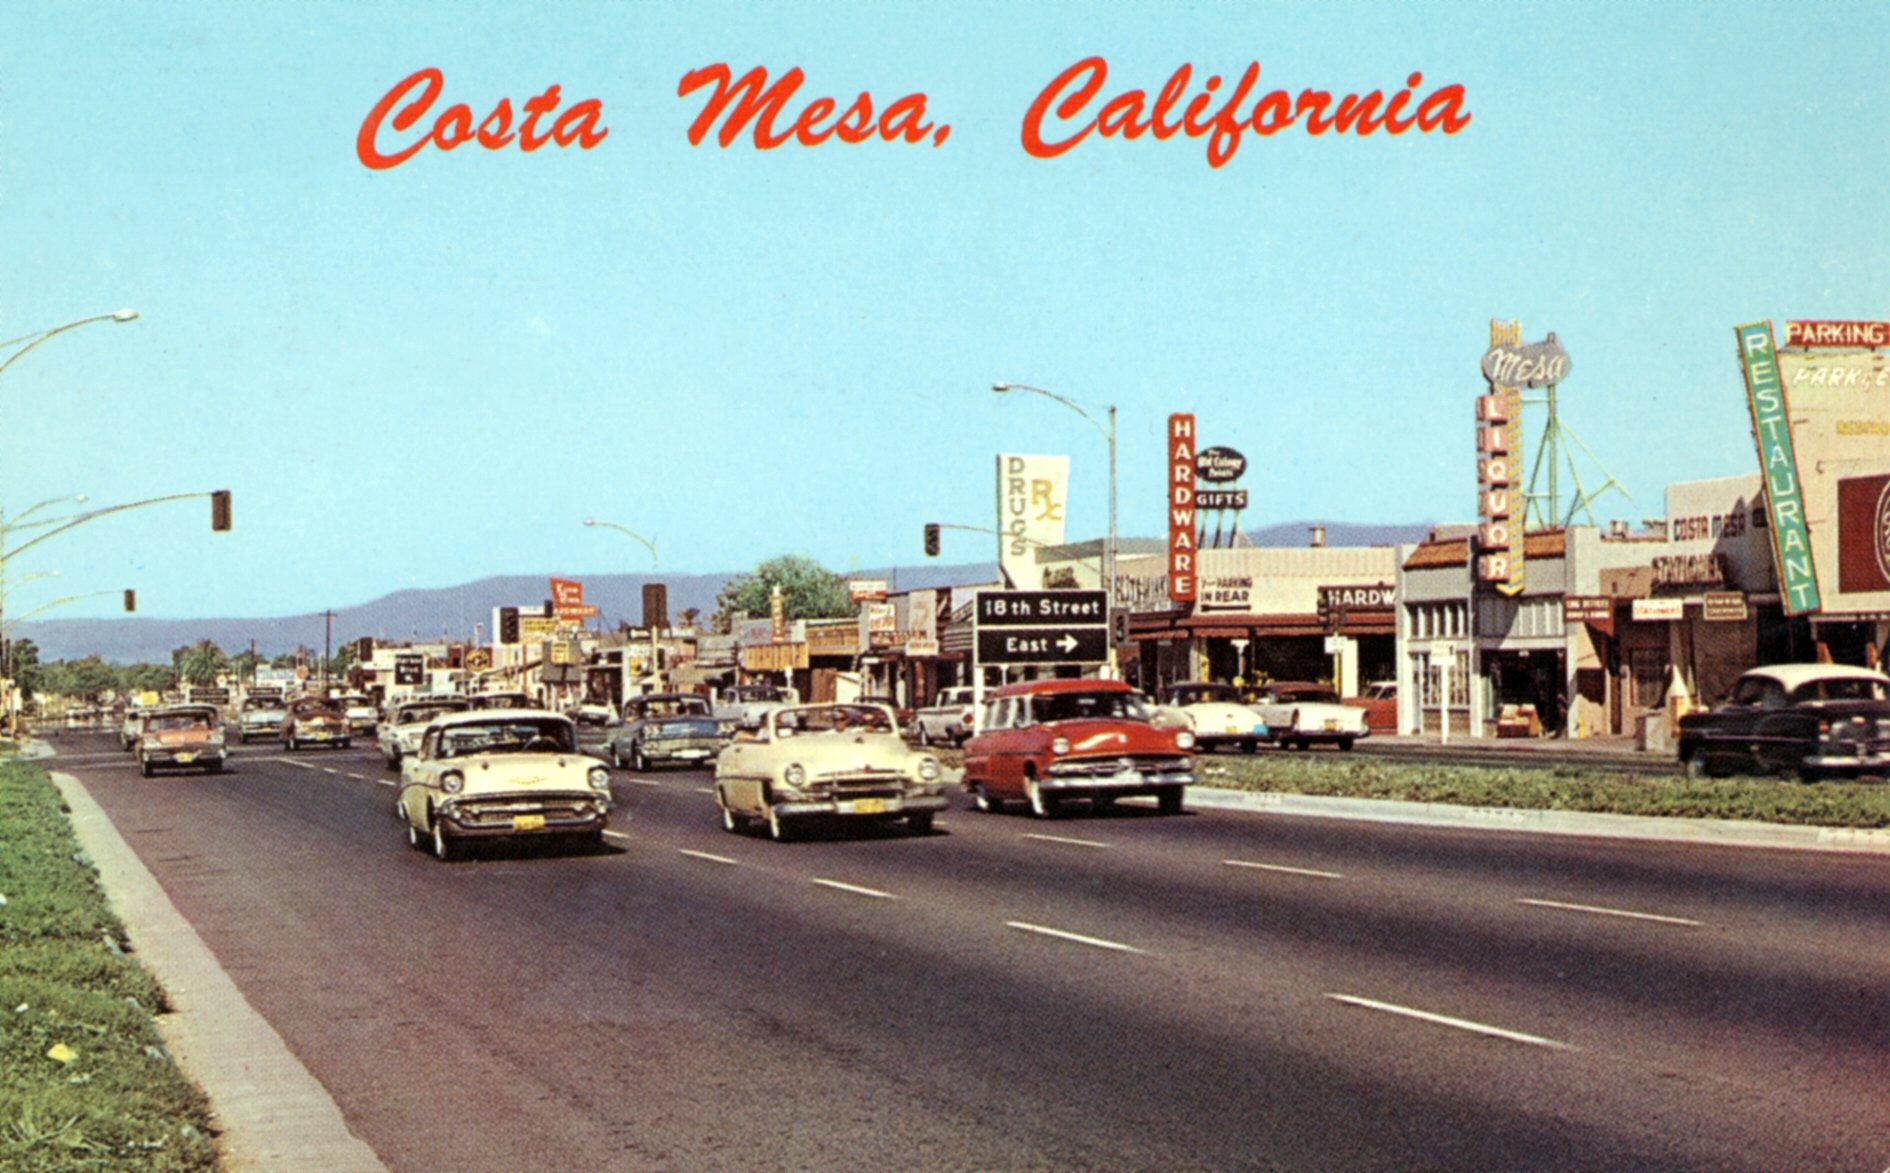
[1615, 912]
[1454, 1023]
[1282, 869]
[1078, 938]
[855, 889]
[1064, 840]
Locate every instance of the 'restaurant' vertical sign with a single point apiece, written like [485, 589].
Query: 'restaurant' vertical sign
[1500, 507]
[1181, 507]
[1784, 496]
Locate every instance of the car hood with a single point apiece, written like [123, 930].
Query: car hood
[176, 737]
[1111, 736]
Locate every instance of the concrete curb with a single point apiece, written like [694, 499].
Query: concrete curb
[272, 1113]
[1723, 832]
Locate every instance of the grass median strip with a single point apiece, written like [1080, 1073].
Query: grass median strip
[85, 1080]
[1592, 788]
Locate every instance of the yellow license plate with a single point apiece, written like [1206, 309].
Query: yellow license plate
[869, 806]
[528, 822]
[186, 757]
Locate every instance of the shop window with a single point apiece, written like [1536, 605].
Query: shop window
[1648, 670]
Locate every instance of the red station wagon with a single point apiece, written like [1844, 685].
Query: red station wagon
[1050, 741]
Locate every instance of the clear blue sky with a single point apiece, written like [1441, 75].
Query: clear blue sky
[424, 375]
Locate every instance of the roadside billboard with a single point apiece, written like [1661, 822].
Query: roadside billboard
[1033, 494]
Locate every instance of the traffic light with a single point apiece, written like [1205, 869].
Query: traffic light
[1119, 626]
[508, 625]
[931, 539]
[131, 600]
[220, 510]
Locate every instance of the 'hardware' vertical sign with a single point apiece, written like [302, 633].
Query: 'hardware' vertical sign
[1784, 499]
[1181, 526]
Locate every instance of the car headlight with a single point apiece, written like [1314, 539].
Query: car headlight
[928, 769]
[216, 739]
[452, 781]
[1060, 746]
[600, 778]
[794, 775]
[1184, 740]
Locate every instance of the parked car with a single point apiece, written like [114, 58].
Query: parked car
[746, 704]
[948, 720]
[592, 713]
[260, 716]
[501, 773]
[665, 728]
[182, 737]
[315, 720]
[1301, 715]
[1047, 742]
[1216, 713]
[132, 727]
[362, 716]
[1815, 720]
[1380, 703]
[407, 720]
[826, 761]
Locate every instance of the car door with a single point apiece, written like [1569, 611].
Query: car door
[740, 771]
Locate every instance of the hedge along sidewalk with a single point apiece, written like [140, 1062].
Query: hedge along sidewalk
[274, 1114]
[1588, 800]
[85, 1081]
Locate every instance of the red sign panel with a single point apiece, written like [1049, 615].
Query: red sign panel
[567, 600]
[1181, 508]
[1837, 333]
[1864, 534]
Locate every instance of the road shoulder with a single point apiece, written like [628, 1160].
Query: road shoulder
[272, 1113]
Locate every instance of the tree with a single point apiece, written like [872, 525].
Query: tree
[201, 662]
[808, 591]
[23, 665]
[90, 678]
[147, 678]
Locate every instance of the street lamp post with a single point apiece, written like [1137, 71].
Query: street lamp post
[648, 544]
[39, 336]
[1109, 545]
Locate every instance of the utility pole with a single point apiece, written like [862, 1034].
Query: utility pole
[328, 641]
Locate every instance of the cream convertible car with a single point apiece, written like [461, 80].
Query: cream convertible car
[832, 760]
[501, 773]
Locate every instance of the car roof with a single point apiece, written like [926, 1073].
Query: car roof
[1793, 675]
[184, 708]
[481, 716]
[1084, 684]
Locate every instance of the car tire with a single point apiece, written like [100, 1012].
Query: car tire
[923, 738]
[616, 757]
[1808, 773]
[343, 744]
[1042, 805]
[146, 769]
[983, 800]
[920, 822]
[1251, 745]
[414, 839]
[733, 823]
[1345, 745]
[213, 768]
[444, 849]
[778, 829]
[1168, 802]
[638, 762]
[1695, 767]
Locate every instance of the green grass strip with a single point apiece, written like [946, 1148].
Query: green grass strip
[85, 1081]
[1558, 788]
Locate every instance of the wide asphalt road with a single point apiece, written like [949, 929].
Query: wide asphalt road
[1214, 991]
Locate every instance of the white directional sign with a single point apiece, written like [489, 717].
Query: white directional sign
[1042, 627]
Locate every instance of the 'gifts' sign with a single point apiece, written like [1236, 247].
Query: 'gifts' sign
[1181, 505]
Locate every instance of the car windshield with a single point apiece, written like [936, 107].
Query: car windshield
[688, 727]
[1308, 696]
[673, 707]
[543, 736]
[833, 719]
[1079, 706]
[1208, 694]
[415, 714]
[756, 692]
[178, 721]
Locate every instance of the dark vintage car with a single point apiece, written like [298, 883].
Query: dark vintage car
[1815, 720]
[315, 720]
[665, 728]
[1049, 741]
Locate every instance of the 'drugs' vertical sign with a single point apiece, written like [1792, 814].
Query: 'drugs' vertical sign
[1784, 494]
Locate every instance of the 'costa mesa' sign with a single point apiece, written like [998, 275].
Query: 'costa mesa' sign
[1533, 364]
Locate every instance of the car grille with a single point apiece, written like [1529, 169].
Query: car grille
[1121, 764]
[862, 784]
[499, 812]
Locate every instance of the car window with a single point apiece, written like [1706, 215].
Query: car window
[504, 737]
[1076, 706]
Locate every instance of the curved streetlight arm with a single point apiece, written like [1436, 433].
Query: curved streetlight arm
[19, 519]
[82, 518]
[59, 602]
[1038, 542]
[121, 316]
[1073, 405]
[648, 543]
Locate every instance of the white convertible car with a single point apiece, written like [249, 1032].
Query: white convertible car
[1301, 715]
[501, 773]
[833, 760]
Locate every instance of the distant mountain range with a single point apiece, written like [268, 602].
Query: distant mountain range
[453, 612]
